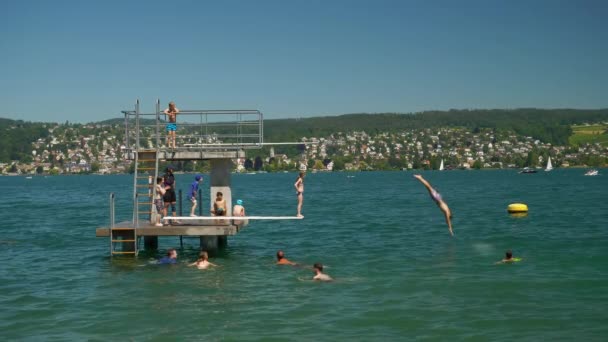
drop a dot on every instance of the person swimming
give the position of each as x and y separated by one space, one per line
282 260
509 258
436 196
202 262
319 275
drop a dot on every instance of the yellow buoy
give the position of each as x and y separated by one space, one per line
517 208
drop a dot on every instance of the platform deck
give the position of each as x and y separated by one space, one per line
184 229
193 153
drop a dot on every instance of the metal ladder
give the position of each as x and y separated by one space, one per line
146 171
123 240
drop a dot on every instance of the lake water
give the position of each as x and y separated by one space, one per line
399 275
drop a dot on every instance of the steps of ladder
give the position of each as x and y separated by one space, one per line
122 228
140 203
129 241
146 160
115 252
144 185
145 168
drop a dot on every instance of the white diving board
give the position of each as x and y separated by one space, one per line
232 218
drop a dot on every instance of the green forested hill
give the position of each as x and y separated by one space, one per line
547 125
16 139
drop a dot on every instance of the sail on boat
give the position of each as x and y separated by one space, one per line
441 165
549 166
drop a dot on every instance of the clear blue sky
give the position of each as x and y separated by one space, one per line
85 61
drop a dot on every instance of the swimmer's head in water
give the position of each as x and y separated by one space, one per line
280 255
239 202
318 266
509 254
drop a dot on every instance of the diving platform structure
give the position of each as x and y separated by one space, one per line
217 136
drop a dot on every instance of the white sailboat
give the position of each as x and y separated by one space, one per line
549 166
441 165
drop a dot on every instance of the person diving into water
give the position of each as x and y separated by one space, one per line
439 201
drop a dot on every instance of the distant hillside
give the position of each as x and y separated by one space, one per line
16 137
548 125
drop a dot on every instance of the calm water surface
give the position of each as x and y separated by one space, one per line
399 275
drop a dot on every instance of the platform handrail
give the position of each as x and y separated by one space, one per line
220 128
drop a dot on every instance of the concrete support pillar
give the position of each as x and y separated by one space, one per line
222 241
220 181
209 243
150 242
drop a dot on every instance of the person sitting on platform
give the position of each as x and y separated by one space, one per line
319 275
219 206
282 260
203 261
170 258
198 179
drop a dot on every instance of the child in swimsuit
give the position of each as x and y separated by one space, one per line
171 127
299 185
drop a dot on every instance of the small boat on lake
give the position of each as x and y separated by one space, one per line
549 165
528 170
441 165
592 172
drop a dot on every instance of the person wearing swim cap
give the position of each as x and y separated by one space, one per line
219 206
439 201
238 209
198 179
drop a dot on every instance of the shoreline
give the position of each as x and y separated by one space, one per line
577 167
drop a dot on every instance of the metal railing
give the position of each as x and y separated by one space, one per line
112 221
197 129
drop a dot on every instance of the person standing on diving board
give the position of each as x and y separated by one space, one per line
439 201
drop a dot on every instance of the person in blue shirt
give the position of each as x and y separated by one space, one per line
198 179
170 258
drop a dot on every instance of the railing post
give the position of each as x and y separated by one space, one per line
157 124
261 124
127 144
137 125
200 202
179 202
111 221
136 211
